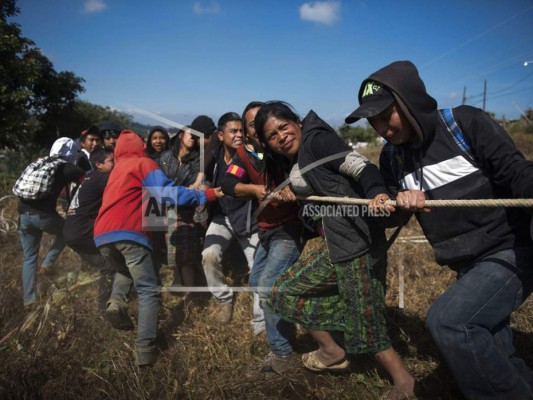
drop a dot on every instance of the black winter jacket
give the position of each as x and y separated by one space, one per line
436 165
183 174
238 211
347 237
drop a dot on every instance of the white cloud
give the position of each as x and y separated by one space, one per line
210 8
324 12
453 96
94 6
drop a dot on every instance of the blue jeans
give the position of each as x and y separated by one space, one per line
31 228
272 258
470 325
134 265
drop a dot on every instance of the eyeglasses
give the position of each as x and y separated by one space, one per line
110 134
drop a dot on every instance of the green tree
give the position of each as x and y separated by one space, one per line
71 121
358 133
33 95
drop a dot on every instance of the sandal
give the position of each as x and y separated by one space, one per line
312 363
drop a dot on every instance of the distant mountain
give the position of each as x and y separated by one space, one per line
167 120
140 129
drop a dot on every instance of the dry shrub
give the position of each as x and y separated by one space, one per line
524 143
372 152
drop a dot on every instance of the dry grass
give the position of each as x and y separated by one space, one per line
64 350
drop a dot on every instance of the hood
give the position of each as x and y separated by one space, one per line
409 91
65 148
129 144
157 128
311 124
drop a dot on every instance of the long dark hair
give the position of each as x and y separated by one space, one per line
176 141
252 104
150 151
276 165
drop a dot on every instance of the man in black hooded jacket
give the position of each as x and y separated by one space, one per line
490 248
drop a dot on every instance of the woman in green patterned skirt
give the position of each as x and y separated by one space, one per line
339 284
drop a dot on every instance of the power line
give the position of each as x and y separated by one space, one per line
504 64
476 37
504 94
513 92
504 91
514 84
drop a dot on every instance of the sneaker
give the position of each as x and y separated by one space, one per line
222 312
280 364
118 316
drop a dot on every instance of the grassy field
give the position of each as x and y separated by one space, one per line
64 350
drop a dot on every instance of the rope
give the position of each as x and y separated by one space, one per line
430 203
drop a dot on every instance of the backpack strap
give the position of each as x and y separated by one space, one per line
241 151
455 132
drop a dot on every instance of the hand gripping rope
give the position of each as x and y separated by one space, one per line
429 204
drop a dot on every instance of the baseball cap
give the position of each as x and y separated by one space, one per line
203 124
374 100
109 128
92 130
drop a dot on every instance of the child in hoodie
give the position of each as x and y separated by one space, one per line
489 248
120 234
81 214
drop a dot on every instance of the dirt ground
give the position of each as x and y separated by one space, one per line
65 350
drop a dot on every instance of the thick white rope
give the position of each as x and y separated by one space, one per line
429 203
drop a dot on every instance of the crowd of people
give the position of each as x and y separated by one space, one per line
248 193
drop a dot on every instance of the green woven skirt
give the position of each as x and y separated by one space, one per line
347 297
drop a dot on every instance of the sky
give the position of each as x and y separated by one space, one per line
178 59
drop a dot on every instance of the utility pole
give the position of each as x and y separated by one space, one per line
484 94
464 96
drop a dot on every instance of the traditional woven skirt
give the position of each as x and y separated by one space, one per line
347 297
